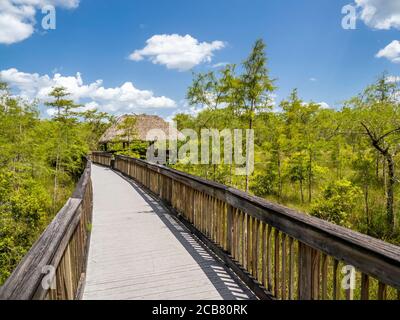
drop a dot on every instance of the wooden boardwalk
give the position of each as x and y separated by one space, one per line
139 251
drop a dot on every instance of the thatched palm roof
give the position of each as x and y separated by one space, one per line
144 123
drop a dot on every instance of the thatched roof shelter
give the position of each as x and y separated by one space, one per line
144 123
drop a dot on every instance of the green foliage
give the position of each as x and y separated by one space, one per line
255 83
64 108
377 111
94 124
264 184
40 162
297 167
243 95
338 200
136 149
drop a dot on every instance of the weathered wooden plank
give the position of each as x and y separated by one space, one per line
305 272
255 248
364 287
315 274
382 291
243 239
264 254
276 263
249 244
291 268
336 286
324 274
283 268
269 260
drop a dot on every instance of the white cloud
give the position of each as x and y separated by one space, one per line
12 29
313 79
273 97
123 99
92 105
391 52
324 105
17 17
380 14
176 52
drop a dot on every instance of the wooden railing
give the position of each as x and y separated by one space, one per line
55 266
101 158
278 252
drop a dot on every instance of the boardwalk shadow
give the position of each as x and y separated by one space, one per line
228 285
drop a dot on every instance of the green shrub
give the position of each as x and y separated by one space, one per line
337 202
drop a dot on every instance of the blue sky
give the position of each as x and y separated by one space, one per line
306 47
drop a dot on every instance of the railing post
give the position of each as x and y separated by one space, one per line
229 228
305 272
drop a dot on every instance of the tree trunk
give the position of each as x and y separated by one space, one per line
338 163
230 174
214 171
385 182
279 176
310 177
247 156
55 184
58 165
301 191
390 182
390 192
366 194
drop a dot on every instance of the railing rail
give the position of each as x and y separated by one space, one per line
102 158
287 254
55 266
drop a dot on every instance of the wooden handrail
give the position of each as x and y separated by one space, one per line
290 255
102 158
55 266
